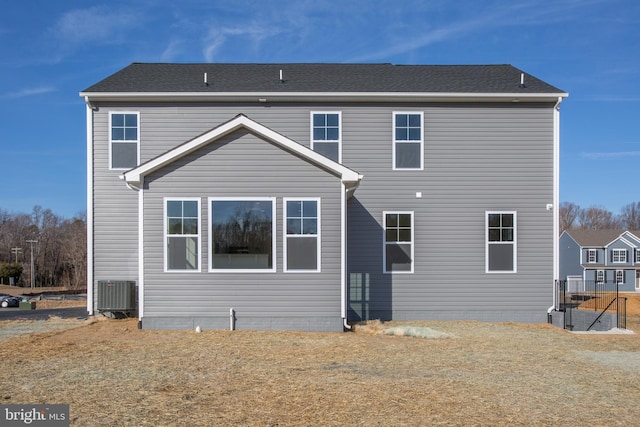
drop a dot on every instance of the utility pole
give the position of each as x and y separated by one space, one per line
16 251
31 242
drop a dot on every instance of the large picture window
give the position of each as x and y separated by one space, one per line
124 137
398 242
302 235
182 234
326 134
242 234
501 242
408 140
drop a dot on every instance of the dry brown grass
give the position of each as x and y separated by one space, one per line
113 374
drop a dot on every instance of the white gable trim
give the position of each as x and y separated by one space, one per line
136 175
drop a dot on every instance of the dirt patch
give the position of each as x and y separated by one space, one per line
113 374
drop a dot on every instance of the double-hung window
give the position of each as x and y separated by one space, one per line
182 234
619 256
408 142
242 234
398 242
619 277
124 139
302 235
501 250
326 134
600 277
592 256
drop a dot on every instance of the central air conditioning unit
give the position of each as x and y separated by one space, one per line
117 297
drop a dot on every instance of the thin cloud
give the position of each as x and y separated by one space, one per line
95 24
218 37
610 155
31 92
511 14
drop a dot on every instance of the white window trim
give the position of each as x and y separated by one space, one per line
111 141
595 256
514 243
286 236
384 242
620 281
273 235
166 236
394 142
600 273
620 253
339 140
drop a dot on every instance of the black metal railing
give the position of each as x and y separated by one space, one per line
576 298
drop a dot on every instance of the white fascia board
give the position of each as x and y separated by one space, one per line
135 176
267 97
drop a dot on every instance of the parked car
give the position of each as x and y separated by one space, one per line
9 301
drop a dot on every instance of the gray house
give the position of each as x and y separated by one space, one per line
308 196
600 256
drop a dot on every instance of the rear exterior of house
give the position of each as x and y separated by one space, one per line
307 196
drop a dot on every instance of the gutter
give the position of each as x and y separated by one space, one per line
262 97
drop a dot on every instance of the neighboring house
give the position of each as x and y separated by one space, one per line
306 196
600 256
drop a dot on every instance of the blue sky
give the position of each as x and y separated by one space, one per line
51 50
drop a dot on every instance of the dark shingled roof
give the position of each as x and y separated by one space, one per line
597 238
301 78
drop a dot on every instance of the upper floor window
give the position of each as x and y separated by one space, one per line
637 255
242 234
501 242
326 134
408 147
182 234
124 137
398 242
302 235
592 256
619 255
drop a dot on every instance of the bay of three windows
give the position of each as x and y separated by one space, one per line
242 234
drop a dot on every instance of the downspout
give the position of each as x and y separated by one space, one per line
343 256
140 247
90 287
556 201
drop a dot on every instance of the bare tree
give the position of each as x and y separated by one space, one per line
630 216
597 218
568 214
59 252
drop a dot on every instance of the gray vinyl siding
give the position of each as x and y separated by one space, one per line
115 213
242 165
477 157
569 257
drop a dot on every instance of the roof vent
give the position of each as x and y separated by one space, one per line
281 77
206 81
522 81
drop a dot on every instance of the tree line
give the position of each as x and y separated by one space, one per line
59 249
572 216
